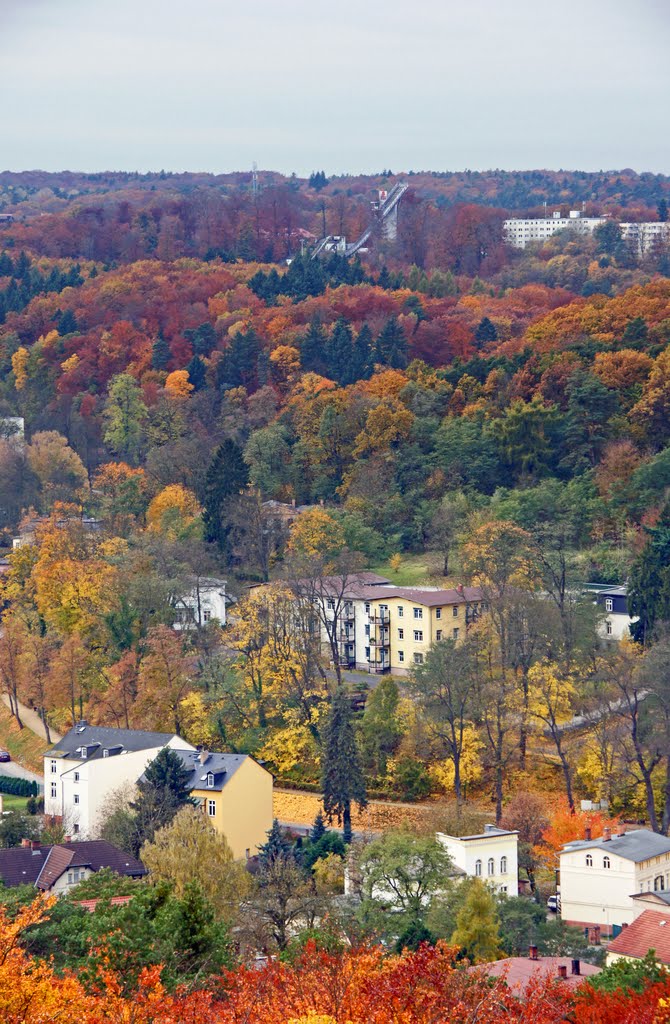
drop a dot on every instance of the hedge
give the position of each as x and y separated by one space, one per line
18 787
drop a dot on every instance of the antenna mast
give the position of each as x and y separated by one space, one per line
254 180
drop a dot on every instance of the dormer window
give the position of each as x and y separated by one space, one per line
210 780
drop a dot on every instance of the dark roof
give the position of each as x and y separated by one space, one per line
651 930
660 898
84 734
518 971
42 865
433 598
638 845
490 832
221 766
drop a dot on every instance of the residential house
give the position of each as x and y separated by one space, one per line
613 602
57 868
651 930
491 855
235 792
404 623
90 763
599 876
520 971
205 602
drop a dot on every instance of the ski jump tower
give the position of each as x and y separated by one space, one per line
385 217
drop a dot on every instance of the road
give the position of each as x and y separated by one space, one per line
17 772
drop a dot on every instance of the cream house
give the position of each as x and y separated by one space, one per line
90 763
598 877
491 855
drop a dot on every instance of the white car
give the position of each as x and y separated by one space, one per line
552 904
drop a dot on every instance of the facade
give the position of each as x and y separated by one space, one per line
205 602
642 237
598 877
404 623
235 792
613 601
492 855
90 763
56 869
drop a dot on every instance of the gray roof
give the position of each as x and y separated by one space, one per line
638 845
101 738
221 766
652 897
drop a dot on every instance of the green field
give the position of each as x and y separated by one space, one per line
13 803
414 571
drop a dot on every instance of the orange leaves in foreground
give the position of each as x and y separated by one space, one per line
361 986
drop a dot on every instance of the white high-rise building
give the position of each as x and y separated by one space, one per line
642 236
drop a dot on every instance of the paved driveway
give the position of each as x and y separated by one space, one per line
17 772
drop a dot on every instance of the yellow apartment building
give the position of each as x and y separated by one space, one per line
235 792
404 623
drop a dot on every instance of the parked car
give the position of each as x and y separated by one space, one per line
552 904
5 755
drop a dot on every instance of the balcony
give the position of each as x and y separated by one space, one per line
378 667
382 619
380 642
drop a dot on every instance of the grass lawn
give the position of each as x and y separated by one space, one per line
25 747
13 803
414 571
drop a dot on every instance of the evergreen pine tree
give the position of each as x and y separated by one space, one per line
160 353
318 828
196 373
162 791
384 279
339 353
239 366
313 348
67 323
485 331
227 476
276 846
662 210
361 361
342 780
391 345
649 587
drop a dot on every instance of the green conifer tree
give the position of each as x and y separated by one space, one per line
341 779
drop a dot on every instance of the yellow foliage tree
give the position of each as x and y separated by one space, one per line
174 512
315 534
178 385
20 367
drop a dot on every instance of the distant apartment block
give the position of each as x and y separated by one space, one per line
520 232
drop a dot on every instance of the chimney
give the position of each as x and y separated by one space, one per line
67 839
25 844
562 971
203 756
532 953
607 835
620 829
459 588
34 844
587 833
576 967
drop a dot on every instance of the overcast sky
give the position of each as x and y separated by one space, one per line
344 85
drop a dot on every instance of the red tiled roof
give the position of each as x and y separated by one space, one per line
115 901
518 971
651 930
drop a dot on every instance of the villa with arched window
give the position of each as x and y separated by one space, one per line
491 855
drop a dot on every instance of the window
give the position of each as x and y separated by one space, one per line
206 615
210 780
211 808
454 611
367 607
401 634
606 862
478 868
491 866
589 860
401 655
438 634
418 659
609 604
330 605
503 888
53 768
608 628
367 653
503 865
75 875
75 828
247 853
456 632
367 630
401 611
54 791
76 776
76 798
418 635
659 883
438 613
418 613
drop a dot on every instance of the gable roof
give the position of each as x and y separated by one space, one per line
102 738
43 865
221 766
518 971
638 845
661 899
651 930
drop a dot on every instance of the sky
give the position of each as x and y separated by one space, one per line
348 86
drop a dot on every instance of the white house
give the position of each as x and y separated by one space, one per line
598 877
641 237
203 603
90 763
491 855
613 601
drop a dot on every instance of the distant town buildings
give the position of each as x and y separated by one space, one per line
520 232
56 869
